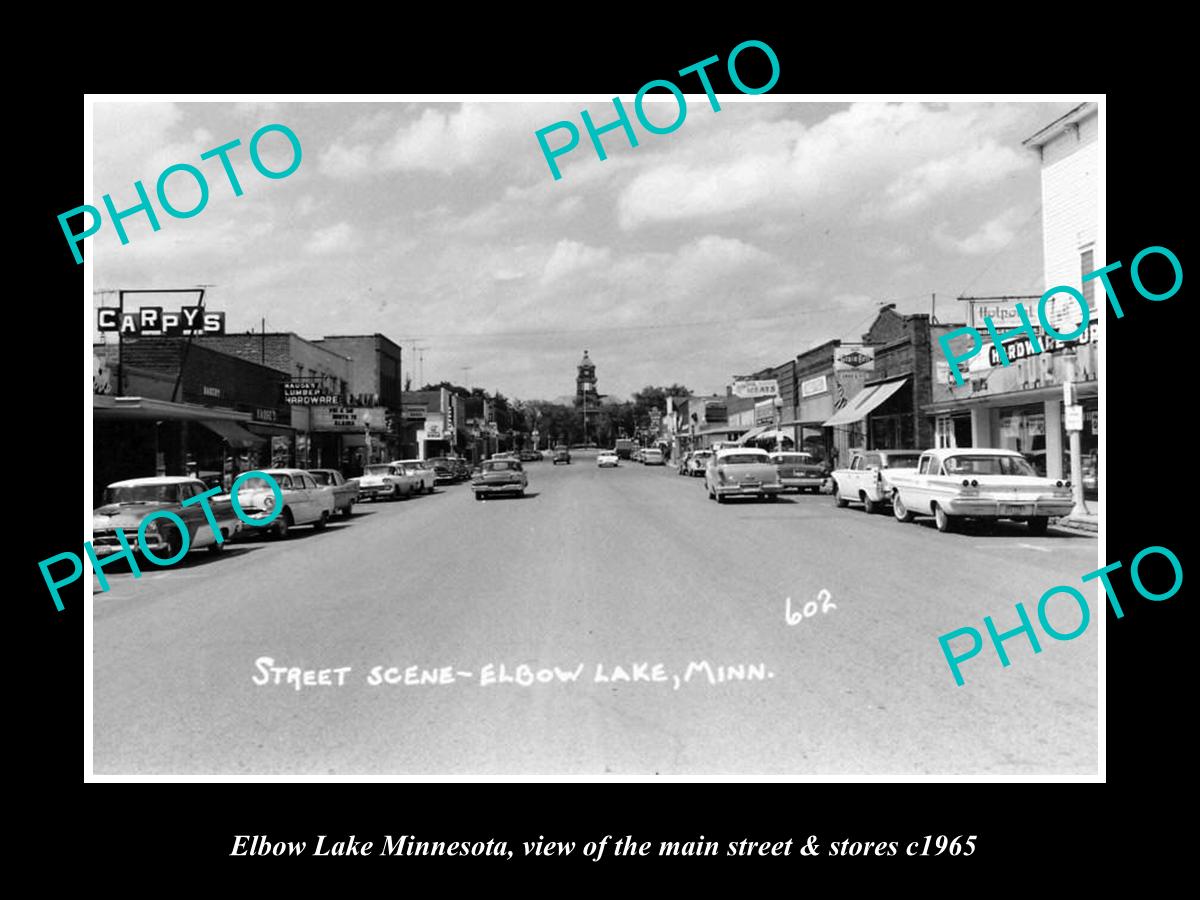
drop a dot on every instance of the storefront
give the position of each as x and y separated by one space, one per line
1020 406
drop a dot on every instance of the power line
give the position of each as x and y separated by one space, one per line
999 252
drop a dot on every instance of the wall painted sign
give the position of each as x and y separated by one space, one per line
813 386
747 388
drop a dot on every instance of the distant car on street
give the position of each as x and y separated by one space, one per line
529 456
562 455
697 463
443 469
981 483
607 459
868 479
742 472
304 501
500 476
127 503
422 471
345 493
799 471
652 456
385 481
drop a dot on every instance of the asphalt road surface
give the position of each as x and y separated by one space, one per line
593 570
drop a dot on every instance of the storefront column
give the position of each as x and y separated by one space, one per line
981 427
1054 439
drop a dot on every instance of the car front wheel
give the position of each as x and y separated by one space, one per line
869 505
321 522
283 524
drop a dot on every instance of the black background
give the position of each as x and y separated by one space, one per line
1047 828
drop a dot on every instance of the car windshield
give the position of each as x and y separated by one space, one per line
742 459
900 460
143 493
377 470
499 465
989 465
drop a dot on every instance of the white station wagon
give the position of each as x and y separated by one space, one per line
973 482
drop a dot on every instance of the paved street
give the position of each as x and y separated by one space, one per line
630 567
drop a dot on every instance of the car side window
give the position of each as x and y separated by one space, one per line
308 482
923 468
285 481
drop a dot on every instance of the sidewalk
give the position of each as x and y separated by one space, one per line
1081 520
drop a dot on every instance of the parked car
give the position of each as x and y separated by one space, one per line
304 501
976 482
607 459
562 455
443 470
422 471
345 493
652 456
386 481
799 471
500 476
127 503
742 472
698 463
868 479
529 456
636 456
462 469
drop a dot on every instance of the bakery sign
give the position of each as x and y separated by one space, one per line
854 358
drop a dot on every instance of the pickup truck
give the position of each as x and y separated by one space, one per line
345 493
867 480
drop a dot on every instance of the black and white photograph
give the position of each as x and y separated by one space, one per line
681 435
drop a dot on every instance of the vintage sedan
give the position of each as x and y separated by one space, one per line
742 472
652 456
799 471
607 459
500 476
697 463
422 471
385 481
345 493
562 455
304 501
978 483
128 503
444 471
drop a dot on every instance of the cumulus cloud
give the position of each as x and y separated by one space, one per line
879 159
570 257
331 239
988 238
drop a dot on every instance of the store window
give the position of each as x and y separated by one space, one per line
1023 428
1089 449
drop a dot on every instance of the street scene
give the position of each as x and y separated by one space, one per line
604 568
660 469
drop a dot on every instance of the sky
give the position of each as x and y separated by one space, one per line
742 238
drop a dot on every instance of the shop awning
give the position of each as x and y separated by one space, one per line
865 402
234 434
773 435
723 429
753 433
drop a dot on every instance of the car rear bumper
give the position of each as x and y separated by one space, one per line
1004 509
803 481
497 488
740 490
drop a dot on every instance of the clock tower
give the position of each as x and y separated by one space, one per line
585 383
